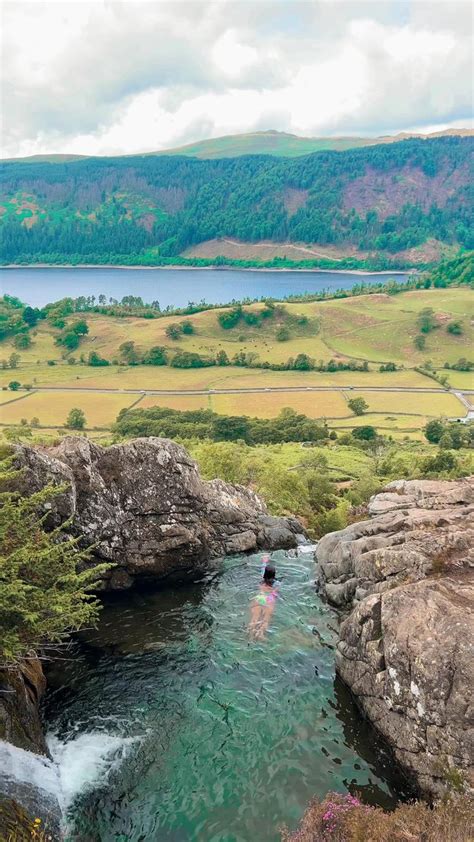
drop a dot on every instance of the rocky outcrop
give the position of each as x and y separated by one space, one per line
21 690
408 657
418 528
407 648
144 507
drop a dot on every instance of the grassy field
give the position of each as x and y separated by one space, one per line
52 409
312 404
373 327
165 377
383 327
460 379
183 403
412 402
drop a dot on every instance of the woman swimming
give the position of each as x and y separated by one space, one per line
263 603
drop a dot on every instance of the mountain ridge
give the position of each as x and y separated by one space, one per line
269 142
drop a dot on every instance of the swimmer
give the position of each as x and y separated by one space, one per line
263 603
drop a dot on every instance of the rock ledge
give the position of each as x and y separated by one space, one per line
146 508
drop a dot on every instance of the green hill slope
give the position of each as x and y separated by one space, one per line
286 145
377 200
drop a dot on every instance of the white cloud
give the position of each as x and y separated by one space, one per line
111 77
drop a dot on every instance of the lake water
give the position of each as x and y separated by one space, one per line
173 287
168 723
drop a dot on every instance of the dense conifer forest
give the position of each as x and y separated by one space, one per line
147 209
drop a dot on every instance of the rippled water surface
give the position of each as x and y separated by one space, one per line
170 724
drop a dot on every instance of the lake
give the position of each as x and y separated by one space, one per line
174 287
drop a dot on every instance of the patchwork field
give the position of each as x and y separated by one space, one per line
372 328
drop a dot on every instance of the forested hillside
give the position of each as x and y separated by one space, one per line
382 199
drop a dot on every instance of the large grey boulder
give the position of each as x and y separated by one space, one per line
408 657
418 527
144 506
406 650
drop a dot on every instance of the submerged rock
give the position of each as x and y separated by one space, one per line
407 648
145 507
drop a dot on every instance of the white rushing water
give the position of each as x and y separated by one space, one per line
78 764
85 761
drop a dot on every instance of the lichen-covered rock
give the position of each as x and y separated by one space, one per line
418 527
144 506
408 657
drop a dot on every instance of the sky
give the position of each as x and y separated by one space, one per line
108 78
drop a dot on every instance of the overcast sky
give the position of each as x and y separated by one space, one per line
112 77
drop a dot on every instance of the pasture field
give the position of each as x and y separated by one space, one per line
8 397
312 404
460 379
383 327
398 426
52 409
412 402
375 328
215 377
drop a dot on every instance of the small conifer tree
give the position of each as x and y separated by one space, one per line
43 593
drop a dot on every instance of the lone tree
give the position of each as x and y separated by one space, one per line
358 406
434 431
42 597
76 419
128 352
80 327
426 320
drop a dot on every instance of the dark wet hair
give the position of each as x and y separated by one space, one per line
269 573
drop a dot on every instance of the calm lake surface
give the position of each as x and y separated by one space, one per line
173 287
169 724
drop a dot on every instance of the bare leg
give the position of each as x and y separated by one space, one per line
257 613
264 623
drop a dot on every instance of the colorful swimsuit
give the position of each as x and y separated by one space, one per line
266 598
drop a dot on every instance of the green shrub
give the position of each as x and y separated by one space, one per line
43 597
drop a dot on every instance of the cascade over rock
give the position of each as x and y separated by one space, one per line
406 650
144 506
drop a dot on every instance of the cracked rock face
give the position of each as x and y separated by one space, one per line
418 527
145 507
407 648
408 657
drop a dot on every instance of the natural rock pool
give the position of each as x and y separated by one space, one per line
167 723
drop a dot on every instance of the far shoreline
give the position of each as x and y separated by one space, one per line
412 271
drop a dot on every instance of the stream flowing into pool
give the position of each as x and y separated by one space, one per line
168 723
